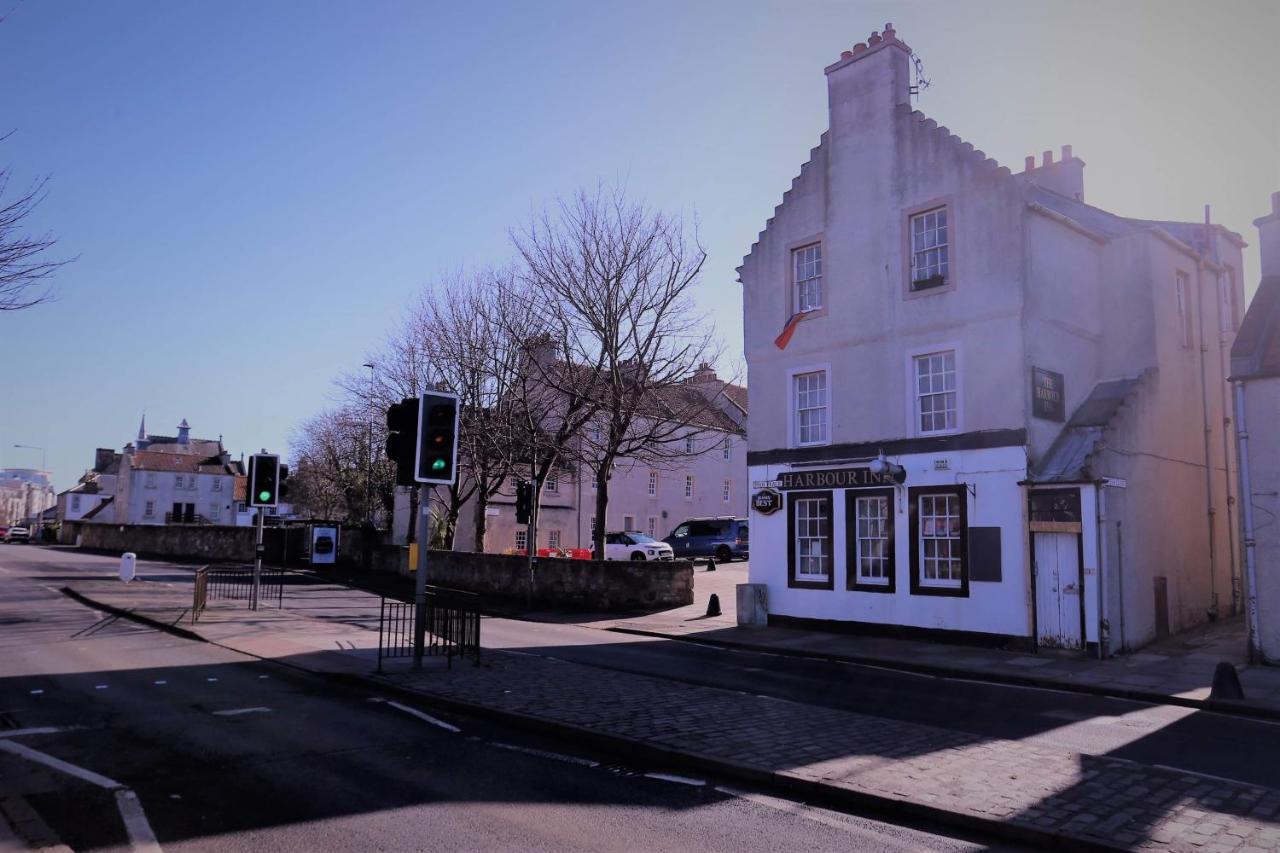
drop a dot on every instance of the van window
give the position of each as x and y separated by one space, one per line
708 528
681 531
744 531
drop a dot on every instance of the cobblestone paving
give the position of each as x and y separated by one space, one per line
1095 798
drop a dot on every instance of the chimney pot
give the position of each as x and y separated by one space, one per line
873 39
1048 158
1066 153
847 54
1030 162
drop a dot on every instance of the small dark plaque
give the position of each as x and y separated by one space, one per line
984 554
766 501
1048 395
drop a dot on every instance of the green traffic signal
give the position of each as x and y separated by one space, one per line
438 465
264 496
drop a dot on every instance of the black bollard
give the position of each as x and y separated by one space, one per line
1226 683
711 564
713 606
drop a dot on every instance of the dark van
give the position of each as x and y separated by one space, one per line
724 538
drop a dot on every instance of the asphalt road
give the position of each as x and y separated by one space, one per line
225 752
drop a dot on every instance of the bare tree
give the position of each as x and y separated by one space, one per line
613 283
24 262
331 476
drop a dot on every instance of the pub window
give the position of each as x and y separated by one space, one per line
810 545
869 532
938 523
930 264
522 539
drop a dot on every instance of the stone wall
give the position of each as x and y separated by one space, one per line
581 584
208 543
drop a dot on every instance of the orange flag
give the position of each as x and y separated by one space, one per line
783 339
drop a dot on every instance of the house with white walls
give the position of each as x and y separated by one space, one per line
1255 373
993 412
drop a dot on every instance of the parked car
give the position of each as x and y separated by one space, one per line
632 545
4 531
725 538
17 534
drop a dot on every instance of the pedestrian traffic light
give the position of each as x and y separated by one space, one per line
437 438
524 501
264 479
402 438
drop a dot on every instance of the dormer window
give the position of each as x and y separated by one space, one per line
807 263
930 262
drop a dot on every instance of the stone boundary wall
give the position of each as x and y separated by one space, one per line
210 543
582 584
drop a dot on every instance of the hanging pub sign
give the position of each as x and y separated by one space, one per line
834 478
766 501
1048 395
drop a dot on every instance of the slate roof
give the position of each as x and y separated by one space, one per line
1109 225
1256 351
1071 454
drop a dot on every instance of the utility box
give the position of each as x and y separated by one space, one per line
128 566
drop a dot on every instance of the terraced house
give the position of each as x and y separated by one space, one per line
995 411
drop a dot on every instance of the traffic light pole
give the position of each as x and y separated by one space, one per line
420 582
257 563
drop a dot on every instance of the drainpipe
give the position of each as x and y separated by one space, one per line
1100 528
1246 501
1208 461
1226 413
1124 644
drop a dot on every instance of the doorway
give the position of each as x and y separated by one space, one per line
1057 568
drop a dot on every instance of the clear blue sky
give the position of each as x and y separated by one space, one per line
254 190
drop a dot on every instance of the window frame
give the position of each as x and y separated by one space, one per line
628 523
1182 296
652 528
553 539
552 484
918 586
793 256
653 484
808 582
728 490
689 487
854 580
913 394
521 539
793 401
909 214
688 445
149 482
728 449
149 509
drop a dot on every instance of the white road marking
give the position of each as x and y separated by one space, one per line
233 712
542 753
679 780
264 676
141 837
424 716
100 686
36 692
787 807
58 764
160 682
211 679
39 730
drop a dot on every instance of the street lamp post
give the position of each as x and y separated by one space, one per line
366 536
45 474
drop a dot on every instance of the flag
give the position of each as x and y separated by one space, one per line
783 339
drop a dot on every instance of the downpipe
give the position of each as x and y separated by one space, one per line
1212 612
1250 544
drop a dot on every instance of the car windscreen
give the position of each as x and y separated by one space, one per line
640 538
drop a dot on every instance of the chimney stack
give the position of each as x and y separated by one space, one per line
1065 177
868 83
1269 238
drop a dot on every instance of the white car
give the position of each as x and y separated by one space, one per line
635 546
18 533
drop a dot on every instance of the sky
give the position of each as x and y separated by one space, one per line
253 191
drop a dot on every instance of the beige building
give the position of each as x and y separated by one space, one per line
993 410
706 476
1255 367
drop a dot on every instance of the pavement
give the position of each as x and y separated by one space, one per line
1027 789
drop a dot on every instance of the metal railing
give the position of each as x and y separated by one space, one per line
183 518
200 593
453 627
235 583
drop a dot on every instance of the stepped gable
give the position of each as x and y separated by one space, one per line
806 169
975 156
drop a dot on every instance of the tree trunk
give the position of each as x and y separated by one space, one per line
482 502
602 505
413 516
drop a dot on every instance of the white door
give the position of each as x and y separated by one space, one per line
1058 590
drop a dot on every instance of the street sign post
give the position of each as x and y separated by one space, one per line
435 463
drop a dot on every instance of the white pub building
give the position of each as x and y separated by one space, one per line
1001 413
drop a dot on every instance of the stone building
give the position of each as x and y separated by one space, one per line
1255 369
24 494
994 412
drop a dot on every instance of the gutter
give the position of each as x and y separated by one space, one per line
1250 543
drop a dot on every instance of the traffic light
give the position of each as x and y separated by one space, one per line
264 479
437 438
283 488
524 501
402 438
